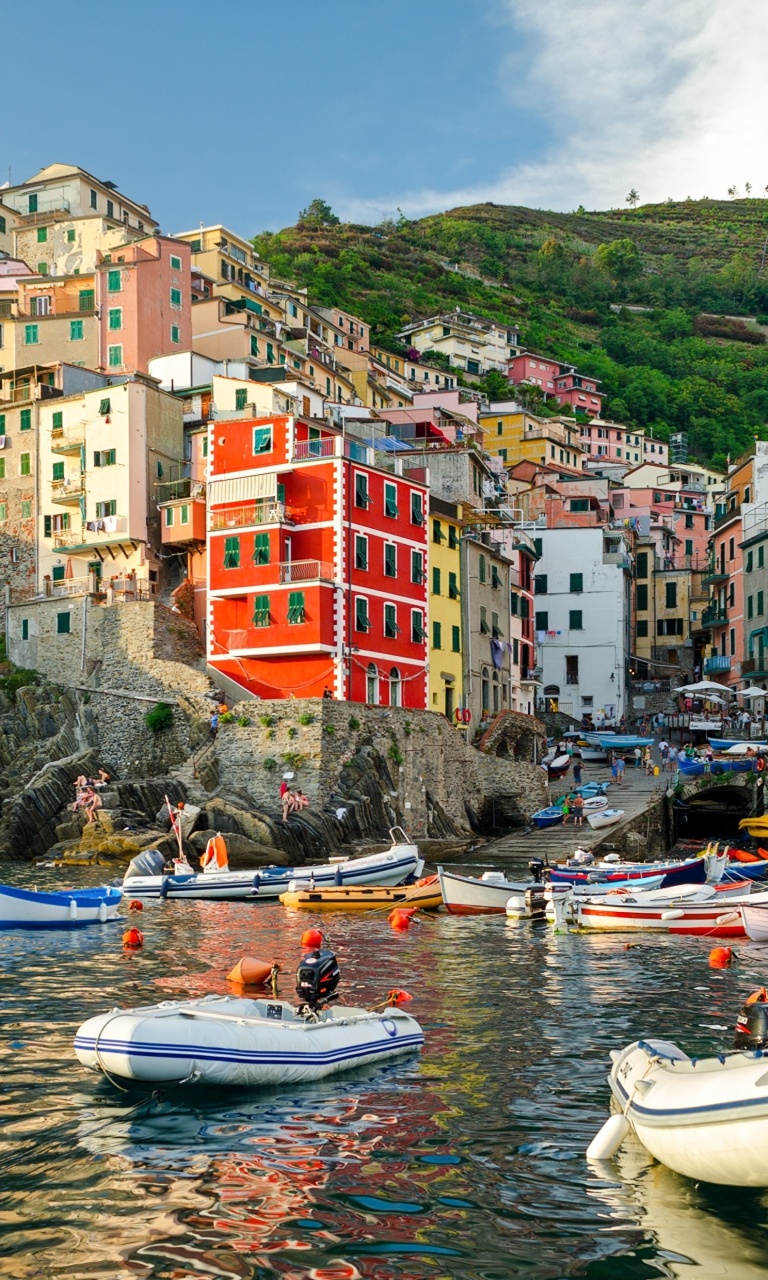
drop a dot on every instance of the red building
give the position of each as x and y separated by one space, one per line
561 381
317 564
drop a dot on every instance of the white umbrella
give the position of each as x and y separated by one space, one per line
753 692
701 687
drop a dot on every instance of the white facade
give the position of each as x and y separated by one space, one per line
582 624
470 343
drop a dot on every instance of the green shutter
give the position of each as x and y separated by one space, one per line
390 560
114 281
453 540
296 607
62 624
262 439
361 489
47 521
361 615
241 397
391 628
114 357
231 553
24 464
42 235
261 611
116 317
540 584
390 501
361 552
25 420
577 582
70 235
453 588
542 621
58 471
25 628
574 620
261 548
456 639
437 636
175 297
57 420
31 335
435 581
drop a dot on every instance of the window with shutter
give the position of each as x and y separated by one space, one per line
574 620
417 509
58 471
453 587
481 570
262 439
261 548
25 420
176 297
391 629
390 560
170 517
231 553
296 612
417 566
435 581
361 552
362 621
437 532
577 583
542 621
484 628
495 579
115 317
390 501
241 397
25 467
456 639
361 489
418 634
62 624
437 636
453 538
261 611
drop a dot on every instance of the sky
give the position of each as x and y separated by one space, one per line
242 112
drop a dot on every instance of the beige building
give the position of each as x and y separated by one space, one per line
227 259
470 343
101 453
55 319
59 245
67 189
486 626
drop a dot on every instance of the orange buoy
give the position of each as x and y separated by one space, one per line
400 921
133 938
135 905
249 972
398 997
758 997
721 957
312 938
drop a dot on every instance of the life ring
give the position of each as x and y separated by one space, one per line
760 764
215 856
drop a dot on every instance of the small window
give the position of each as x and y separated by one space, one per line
641 597
577 583
453 588
362 621
417 508
175 263
759 604
390 559
32 203
262 439
110 208
25 420
94 205
25 628
391 629
241 397
642 630
42 235
417 566
175 333
254 345
579 504
642 564
574 620
195 246
76 331
542 621
26 509
437 532
456 639
435 581
453 537
231 553
481 572
540 584
496 631
261 611
296 611
114 281
108 508
390 501
484 628
361 552
437 635
184 514
31 335
25 468
495 578
114 357
749 562
170 517
62 624
361 490
671 595
418 634
261 548
176 298
116 317
58 471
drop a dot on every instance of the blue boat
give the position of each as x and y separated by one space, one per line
617 741
733 765
723 744
28 909
589 789
548 817
691 768
745 871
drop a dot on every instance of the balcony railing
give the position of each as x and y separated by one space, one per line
67 442
724 514
720 662
305 571
714 573
112 527
172 490
250 513
332 447
67 491
714 614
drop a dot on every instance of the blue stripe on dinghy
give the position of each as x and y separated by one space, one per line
62 897
245 1057
57 924
179 888
708 1109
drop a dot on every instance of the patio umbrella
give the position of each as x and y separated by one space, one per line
701 687
753 692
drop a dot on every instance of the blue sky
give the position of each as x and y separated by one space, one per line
242 112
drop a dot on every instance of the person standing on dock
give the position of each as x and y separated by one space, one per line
620 766
577 772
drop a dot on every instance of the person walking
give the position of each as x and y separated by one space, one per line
638 757
620 766
615 771
214 723
577 772
648 762
664 753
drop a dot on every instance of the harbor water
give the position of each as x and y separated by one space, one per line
464 1161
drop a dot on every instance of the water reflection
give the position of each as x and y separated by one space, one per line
466 1162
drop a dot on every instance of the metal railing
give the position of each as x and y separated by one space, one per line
172 490
250 513
305 571
719 662
724 514
67 490
713 614
67 441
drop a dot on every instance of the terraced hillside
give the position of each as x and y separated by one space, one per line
563 278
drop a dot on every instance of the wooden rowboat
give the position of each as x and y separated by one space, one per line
366 897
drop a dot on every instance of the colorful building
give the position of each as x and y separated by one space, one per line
66 190
317 565
514 435
612 442
446 675
468 341
556 380
143 294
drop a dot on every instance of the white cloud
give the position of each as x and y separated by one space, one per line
668 96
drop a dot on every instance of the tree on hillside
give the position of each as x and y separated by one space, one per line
552 248
734 192
319 213
620 259
633 198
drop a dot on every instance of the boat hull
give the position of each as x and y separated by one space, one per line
707 1120
28 909
604 818
365 898
755 922
388 868
225 1041
468 896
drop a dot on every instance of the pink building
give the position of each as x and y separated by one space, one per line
144 295
558 380
612 442
684 513
580 392
539 370
656 451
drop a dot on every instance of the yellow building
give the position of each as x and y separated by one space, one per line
228 259
665 601
517 436
55 320
445 689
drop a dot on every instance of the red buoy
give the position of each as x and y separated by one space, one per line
135 905
133 938
721 957
400 921
312 938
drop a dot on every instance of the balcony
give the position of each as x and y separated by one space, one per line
267 511
305 571
714 615
724 514
714 574
114 530
68 492
67 441
332 447
172 490
720 662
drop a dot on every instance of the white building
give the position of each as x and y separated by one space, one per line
471 343
582 603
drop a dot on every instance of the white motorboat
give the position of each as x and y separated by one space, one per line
604 818
594 755
490 894
145 877
754 917
62 909
717 916
226 1041
706 1118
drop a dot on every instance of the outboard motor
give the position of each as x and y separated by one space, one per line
752 1023
536 868
317 978
149 862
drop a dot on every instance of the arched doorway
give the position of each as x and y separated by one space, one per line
551 697
372 685
395 688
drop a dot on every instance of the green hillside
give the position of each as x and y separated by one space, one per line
680 365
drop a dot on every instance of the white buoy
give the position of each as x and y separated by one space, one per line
607 1141
72 909
102 912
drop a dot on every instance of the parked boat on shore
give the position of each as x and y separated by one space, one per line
61 909
604 818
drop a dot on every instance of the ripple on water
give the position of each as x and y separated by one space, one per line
466 1162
